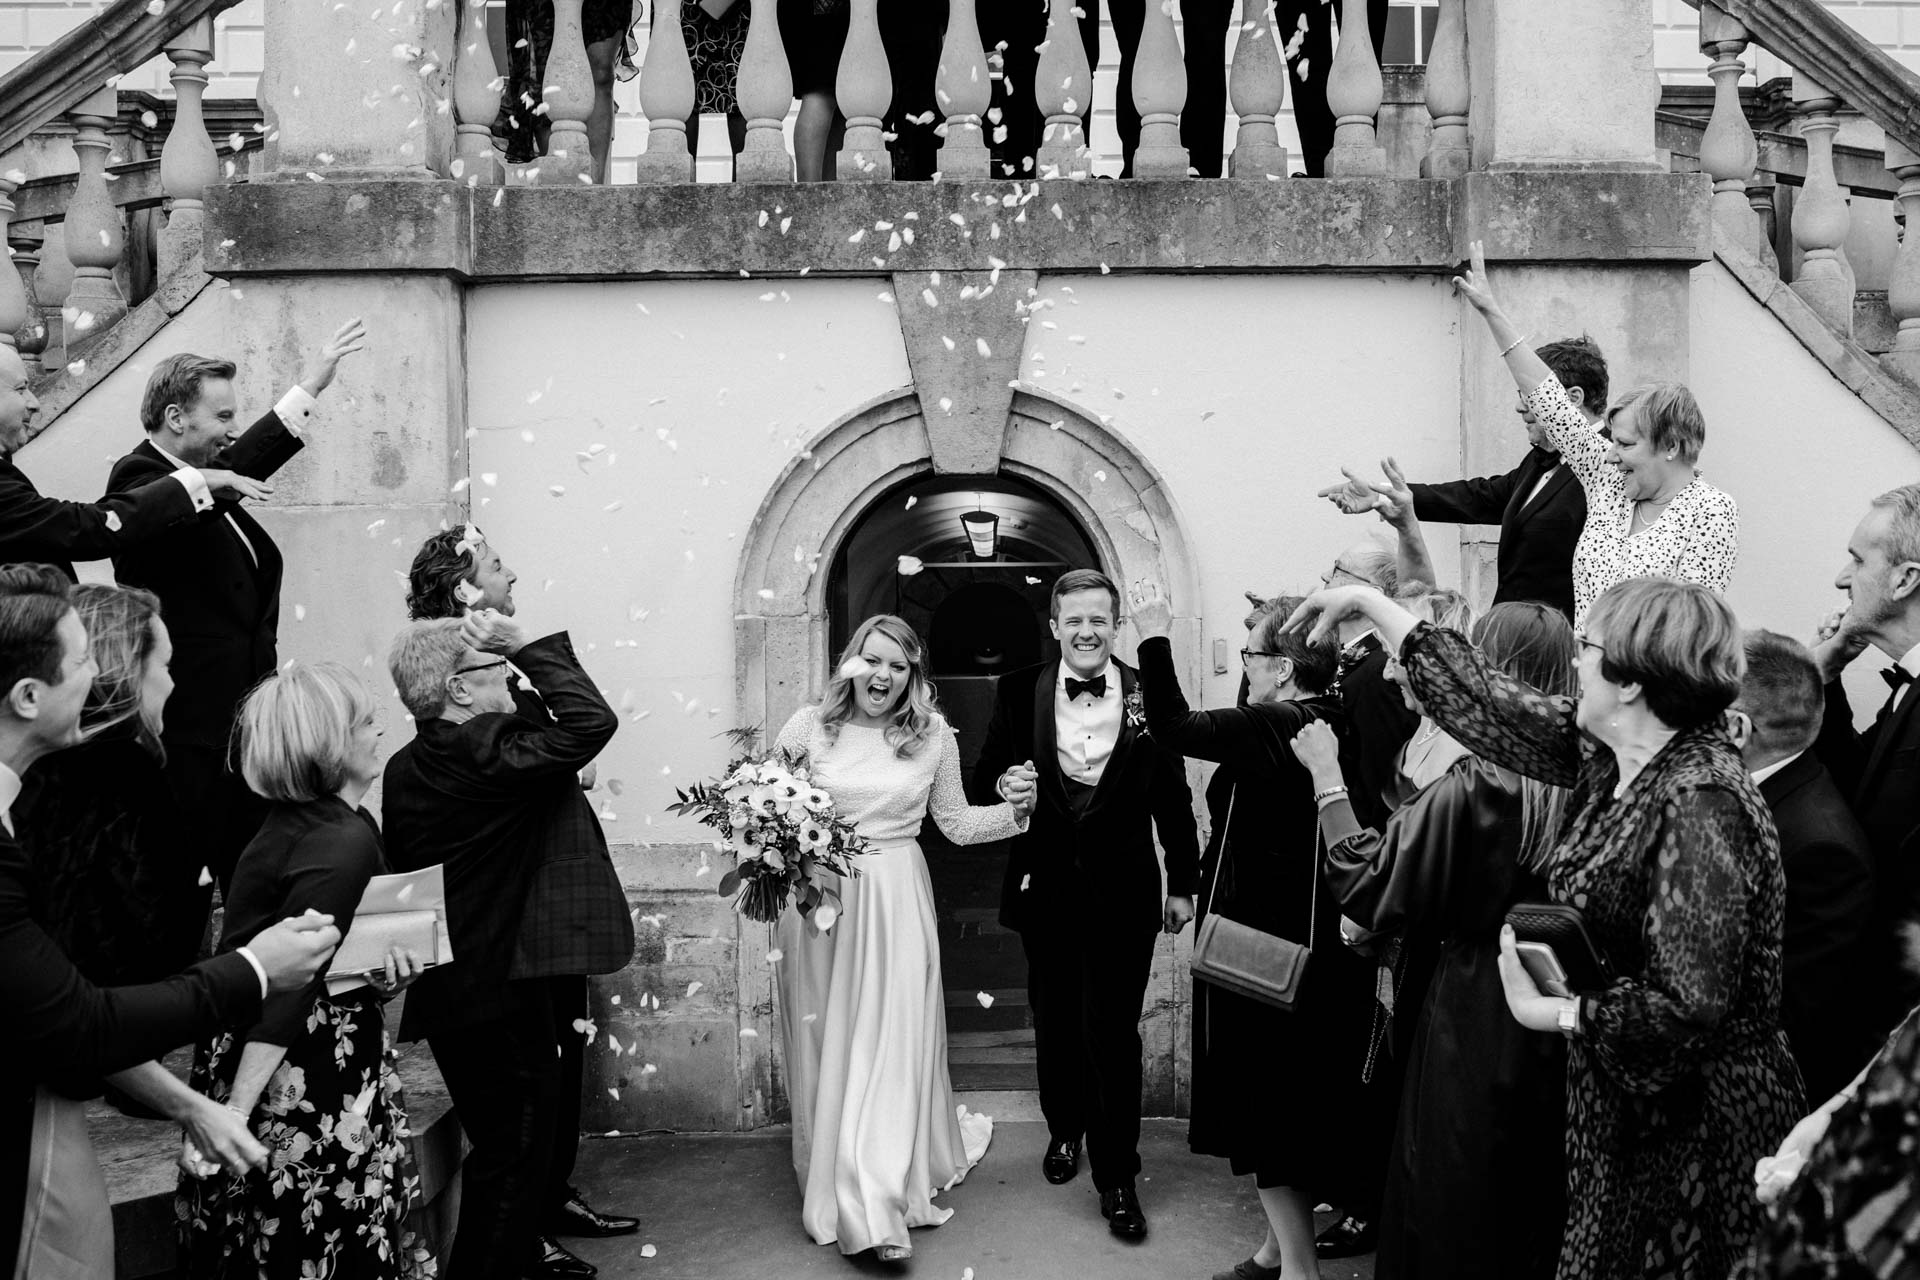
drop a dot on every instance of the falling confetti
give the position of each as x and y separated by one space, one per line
909 565
986 1000
693 987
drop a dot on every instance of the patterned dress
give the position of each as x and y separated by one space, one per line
1682 1080
1696 539
522 118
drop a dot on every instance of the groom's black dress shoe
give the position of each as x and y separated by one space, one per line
1062 1161
578 1218
1348 1238
1121 1208
555 1263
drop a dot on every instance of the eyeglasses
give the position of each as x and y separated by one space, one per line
1580 638
480 666
1246 654
1339 571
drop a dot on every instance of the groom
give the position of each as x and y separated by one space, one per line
1083 884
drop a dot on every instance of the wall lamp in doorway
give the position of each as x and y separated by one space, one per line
983 532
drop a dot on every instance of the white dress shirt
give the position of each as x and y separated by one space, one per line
294 410
1911 661
9 792
1761 774
1086 728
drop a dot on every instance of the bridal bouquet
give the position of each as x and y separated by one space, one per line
784 832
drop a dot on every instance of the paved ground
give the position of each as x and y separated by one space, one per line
725 1207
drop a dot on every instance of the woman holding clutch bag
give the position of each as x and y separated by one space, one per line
1276 1092
1678 1077
314 1077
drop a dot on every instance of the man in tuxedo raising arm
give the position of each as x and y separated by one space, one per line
217 575
1083 885
1879 770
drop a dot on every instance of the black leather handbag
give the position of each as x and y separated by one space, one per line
1246 961
1565 930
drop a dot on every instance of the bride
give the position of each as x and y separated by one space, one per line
875 1131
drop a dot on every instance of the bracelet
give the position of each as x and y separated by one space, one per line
1321 798
1507 350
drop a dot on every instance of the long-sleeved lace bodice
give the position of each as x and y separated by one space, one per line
885 796
1696 539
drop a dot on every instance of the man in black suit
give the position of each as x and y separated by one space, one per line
60 1027
217 575
456 572
533 906
39 530
1829 867
1879 770
1539 506
1083 886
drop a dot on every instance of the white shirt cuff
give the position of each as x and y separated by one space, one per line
259 969
196 487
295 408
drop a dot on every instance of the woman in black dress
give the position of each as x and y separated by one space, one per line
1277 1093
315 1075
608 29
1678 1076
1476 1182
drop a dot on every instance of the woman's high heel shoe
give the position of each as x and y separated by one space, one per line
893 1252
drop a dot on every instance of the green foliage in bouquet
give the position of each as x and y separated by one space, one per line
787 839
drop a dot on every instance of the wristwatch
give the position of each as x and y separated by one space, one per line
1570 1018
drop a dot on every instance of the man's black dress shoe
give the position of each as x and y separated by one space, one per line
1348 1238
578 1218
557 1264
1062 1161
1121 1208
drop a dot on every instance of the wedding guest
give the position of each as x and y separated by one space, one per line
1476 1180
608 29
1538 505
716 36
814 32
218 576
1083 886
912 34
1012 32
493 796
1827 959
457 571
39 530
1670 855
61 1027
1649 514
1276 1092
1879 770
315 1075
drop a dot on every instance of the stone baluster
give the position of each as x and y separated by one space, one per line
863 91
477 88
666 96
764 87
1760 195
1062 88
1449 94
1728 152
1354 90
1257 88
1821 219
963 91
30 339
52 282
95 233
1903 282
1159 94
188 161
568 94
14 312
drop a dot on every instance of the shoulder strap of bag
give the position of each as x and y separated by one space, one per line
1226 830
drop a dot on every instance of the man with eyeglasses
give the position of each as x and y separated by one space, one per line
491 792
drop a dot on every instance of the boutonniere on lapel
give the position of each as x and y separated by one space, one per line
1136 710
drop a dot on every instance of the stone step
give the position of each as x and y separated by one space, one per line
990 1039
975 1076
990 1055
1006 1106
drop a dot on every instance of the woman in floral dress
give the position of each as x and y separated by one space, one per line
315 1075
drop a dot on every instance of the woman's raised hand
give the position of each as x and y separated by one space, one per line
1151 611
1473 283
1328 607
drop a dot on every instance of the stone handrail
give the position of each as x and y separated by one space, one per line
115 41
1783 155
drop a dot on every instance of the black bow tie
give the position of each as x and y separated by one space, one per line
1096 686
1897 677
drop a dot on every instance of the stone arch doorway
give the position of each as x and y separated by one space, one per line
786 613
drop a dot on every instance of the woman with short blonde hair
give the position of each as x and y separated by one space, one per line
314 1076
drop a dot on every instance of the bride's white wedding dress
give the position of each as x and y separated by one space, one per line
875 1131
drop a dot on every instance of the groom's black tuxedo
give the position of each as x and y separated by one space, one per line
1083 889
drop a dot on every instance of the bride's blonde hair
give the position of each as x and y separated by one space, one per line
913 720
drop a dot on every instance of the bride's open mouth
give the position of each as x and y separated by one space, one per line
878 694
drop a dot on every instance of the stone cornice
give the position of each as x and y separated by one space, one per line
492 235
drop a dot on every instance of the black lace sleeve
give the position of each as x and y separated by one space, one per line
1496 717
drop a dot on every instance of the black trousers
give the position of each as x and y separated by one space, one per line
1086 993
205 781
519 1104
1022 25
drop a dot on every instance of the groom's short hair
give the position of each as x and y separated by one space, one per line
1083 580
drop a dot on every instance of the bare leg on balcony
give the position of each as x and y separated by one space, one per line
813 138
600 56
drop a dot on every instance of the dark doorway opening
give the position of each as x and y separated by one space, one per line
980 616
